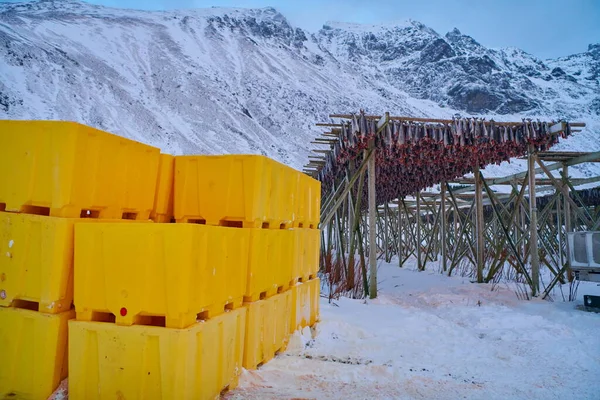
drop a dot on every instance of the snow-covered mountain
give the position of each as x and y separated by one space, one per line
246 81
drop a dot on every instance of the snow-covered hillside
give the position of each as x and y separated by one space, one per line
246 81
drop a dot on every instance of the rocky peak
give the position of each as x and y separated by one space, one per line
463 43
594 50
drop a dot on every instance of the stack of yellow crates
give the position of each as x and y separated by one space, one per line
159 306
218 277
279 209
54 176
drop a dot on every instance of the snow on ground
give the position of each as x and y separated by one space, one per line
428 336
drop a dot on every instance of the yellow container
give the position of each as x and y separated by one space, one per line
283 194
33 349
270 262
308 205
176 271
305 304
298 255
313 251
314 202
302 202
36 262
147 362
243 190
305 253
64 169
267 329
163 200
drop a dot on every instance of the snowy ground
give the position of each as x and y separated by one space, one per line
428 336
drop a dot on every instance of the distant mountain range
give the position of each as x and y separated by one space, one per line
245 81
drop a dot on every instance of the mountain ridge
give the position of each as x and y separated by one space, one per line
233 80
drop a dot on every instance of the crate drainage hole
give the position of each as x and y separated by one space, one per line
202 316
89 214
26 305
36 210
99 316
232 224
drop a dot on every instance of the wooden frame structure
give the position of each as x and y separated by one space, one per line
484 228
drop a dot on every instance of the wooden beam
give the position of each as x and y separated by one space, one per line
443 227
479 223
556 128
533 228
372 221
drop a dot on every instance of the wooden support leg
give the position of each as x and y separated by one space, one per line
372 222
479 223
443 232
533 234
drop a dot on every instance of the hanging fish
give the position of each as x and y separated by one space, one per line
355 124
394 129
387 138
533 129
445 136
526 133
485 133
401 134
363 127
454 131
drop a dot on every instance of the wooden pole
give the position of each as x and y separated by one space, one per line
443 231
533 234
567 215
372 222
419 222
479 223
400 257
385 232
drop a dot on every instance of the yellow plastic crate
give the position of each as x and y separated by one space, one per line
243 190
298 255
283 193
37 260
267 329
305 253
301 219
313 251
64 169
163 200
305 304
146 362
308 205
175 271
270 262
314 203
33 353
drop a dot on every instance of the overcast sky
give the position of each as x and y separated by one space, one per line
544 28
